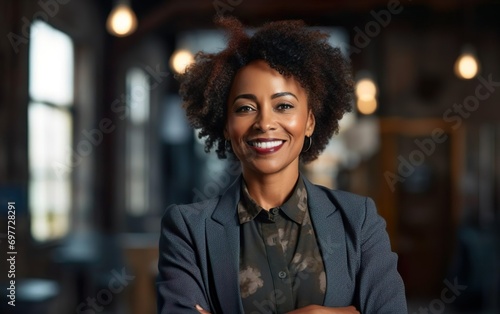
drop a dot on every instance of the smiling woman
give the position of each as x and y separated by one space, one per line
274 242
267 121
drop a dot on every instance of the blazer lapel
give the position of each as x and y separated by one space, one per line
223 242
330 232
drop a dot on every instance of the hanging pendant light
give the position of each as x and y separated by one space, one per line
366 95
180 60
467 65
121 20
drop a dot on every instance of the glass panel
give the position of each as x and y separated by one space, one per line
49 141
137 181
138 94
49 203
51 65
50 182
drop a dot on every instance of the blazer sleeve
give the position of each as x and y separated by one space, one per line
179 284
381 289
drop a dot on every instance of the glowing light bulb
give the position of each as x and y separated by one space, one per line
366 89
466 66
121 21
367 106
366 92
180 60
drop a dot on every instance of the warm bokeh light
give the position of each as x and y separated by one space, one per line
466 66
180 60
366 89
366 107
121 21
366 96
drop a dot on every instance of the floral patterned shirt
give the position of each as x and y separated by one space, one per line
281 268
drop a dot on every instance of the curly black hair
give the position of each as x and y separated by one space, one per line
290 48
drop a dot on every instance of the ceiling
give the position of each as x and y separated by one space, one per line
171 16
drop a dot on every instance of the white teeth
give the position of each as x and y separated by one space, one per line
267 144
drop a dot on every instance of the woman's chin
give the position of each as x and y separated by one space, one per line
270 167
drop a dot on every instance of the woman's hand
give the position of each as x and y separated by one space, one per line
317 309
201 310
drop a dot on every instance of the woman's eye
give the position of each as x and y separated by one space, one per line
244 109
284 106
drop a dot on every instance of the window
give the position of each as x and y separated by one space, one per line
50 125
137 145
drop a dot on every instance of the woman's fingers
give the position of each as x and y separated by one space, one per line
201 310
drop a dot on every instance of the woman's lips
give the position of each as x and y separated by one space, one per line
266 146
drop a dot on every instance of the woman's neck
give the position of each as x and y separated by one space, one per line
270 190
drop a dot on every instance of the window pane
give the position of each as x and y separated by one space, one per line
49 203
51 65
49 141
138 95
137 181
49 146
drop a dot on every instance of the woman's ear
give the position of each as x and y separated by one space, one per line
311 123
226 133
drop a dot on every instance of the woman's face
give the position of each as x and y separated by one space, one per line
267 119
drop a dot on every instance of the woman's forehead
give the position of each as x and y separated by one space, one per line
259 74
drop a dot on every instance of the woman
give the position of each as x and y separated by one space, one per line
274 242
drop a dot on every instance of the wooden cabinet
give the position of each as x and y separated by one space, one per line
419 168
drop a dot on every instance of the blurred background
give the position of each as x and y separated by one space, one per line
94 144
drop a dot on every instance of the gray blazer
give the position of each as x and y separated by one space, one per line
199 254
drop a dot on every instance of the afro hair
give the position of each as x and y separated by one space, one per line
289 47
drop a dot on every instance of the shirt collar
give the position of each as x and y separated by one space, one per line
295 207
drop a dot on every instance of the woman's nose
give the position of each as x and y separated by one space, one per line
265 120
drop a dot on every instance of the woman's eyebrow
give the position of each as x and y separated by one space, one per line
283 94
254 98
245 96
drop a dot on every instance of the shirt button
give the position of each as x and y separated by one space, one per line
282 274
275 211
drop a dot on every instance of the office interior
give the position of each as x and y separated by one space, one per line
95 145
